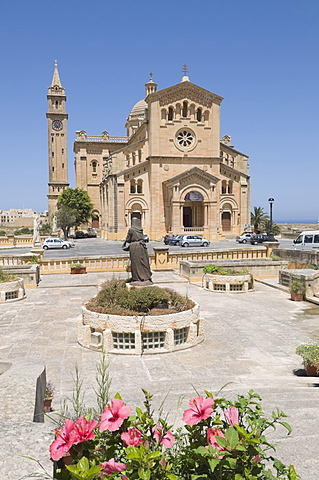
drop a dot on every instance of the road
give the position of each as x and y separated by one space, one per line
99 247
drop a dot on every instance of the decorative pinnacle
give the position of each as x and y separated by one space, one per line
185 69
151 77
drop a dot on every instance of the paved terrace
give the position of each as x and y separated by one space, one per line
250 344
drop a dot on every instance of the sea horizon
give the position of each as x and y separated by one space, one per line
297 221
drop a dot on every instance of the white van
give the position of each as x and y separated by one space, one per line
307 240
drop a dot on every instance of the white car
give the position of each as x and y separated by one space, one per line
244 237
193 241
55 243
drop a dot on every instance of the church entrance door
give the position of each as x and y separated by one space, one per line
226 221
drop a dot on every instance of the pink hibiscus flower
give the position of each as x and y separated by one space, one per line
232 415
166 439
200 409
132 437
212 433
66 437
114 415
112 467
84 429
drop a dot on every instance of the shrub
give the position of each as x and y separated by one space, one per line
221 271
6 277
2 233
297 286
116 298
309 353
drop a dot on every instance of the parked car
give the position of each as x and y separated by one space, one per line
80 234
69 241
260 238
55 243
175 240
244 237
193 241
168 237
91 233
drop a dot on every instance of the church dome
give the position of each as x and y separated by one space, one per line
138 109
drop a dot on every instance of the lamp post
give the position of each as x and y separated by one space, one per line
271 233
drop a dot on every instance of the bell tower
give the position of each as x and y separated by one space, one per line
57 141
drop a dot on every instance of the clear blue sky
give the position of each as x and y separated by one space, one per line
261 56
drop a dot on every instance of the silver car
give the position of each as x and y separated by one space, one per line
194 241
55 243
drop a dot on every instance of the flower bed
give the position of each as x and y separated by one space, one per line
147 320
12 291
221 440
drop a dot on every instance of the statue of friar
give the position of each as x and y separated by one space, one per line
140 264
36 230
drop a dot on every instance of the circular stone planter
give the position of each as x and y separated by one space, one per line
147 334
240 283
12 291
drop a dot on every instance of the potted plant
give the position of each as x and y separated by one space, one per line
297 289
48 397
77 268
310 355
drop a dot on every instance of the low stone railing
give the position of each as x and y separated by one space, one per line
18 240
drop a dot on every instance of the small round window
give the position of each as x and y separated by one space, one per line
185 138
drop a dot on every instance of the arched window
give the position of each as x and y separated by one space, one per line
185 108
206 116
163 113
170 114
139 186
132 186
94 165
56 105
230 186
224 186
133 158
199 115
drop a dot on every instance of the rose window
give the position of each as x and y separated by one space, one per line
185 138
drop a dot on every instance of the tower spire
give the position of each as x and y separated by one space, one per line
150 86
56 77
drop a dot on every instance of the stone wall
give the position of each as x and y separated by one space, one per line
299 258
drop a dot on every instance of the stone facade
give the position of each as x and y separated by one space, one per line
171 171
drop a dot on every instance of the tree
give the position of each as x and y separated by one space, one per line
257 218
275 228
66 218
79 201
46 229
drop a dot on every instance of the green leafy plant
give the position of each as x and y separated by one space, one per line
34 260
297 286
116 298
76 265
220 440
274 257
2 233
309 353
49 390
6 277
214 269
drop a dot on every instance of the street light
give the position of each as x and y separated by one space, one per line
271 233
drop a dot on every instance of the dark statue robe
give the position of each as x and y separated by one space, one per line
140 265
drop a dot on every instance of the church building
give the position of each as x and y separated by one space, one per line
171 171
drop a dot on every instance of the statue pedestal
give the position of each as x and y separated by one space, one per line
161 258
37 250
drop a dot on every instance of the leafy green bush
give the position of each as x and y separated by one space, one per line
221 271
6 277
2 233
116 298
